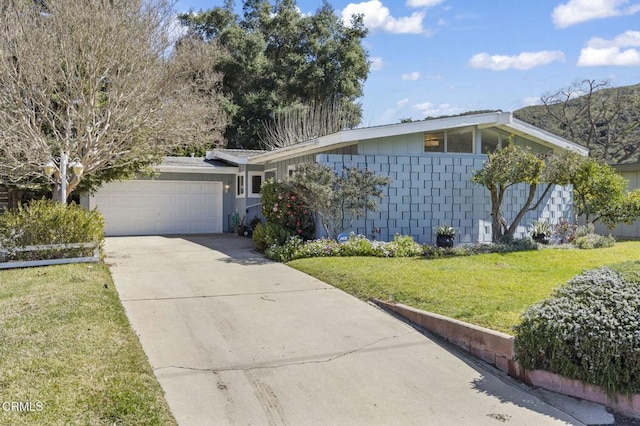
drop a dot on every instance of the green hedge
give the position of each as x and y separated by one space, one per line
589 330
44 222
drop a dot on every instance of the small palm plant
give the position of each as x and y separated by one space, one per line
446 230
541 231
445 235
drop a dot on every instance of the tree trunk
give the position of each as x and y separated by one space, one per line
496 215
523 210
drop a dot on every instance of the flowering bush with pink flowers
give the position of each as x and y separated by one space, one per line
281 206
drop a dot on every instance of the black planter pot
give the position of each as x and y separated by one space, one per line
540 238
445 241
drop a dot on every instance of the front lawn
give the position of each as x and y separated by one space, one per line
68 354
490 290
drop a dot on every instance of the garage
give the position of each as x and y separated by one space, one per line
157 207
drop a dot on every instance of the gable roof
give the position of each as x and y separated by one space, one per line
502 120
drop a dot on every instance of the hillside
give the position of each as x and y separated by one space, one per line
613 132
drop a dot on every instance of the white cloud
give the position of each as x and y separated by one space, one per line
577 11
628 38
376 63
523 61
423 3
377 17
428 109
391 113
532 100
620 51
592 57
413 76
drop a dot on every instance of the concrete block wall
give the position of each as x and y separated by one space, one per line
427 191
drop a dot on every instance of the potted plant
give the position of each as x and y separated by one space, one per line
541 231
445 235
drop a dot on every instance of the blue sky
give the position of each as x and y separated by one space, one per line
440 57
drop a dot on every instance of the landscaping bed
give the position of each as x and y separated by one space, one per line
489 290
68 354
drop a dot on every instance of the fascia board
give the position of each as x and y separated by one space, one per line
205 170
227 156
544 136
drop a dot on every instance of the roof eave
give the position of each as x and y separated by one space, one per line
546 137
191 169
231 158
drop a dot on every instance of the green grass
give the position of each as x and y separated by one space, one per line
489 290
66 347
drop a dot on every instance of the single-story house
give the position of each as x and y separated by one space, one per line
430 164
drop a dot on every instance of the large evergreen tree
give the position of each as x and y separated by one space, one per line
277 58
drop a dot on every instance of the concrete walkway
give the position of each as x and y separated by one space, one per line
235 339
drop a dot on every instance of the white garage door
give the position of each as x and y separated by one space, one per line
156 207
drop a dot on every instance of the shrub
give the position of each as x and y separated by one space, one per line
45 222
583 231
359 245
404 246
284 252
507 245
356 245
593 241
276 234
564 231
588 330
260 237
282 206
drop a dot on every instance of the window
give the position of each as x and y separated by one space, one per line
434 142
239 185
291 170
460 141
490 141
255 180
270 174
457 141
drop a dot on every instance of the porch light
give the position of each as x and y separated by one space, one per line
75 167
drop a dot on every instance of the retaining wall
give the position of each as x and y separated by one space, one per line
498 350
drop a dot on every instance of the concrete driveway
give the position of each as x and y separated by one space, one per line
235 339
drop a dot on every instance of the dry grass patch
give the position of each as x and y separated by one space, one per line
66 347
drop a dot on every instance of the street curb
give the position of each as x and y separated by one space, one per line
497 349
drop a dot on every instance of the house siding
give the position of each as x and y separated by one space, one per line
429 190
282 166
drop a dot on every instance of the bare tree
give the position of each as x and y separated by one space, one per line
100 81
300 123
588 113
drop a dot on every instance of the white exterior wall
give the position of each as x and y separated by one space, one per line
429 190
